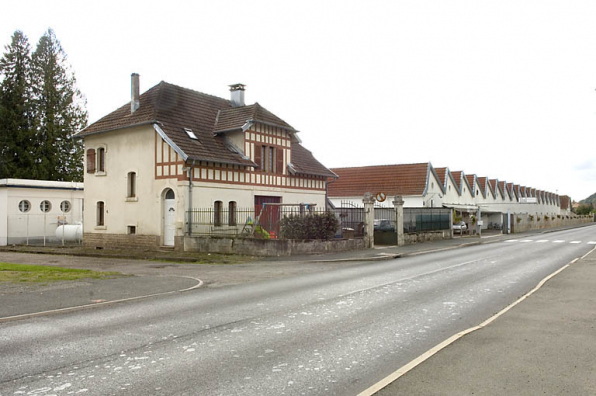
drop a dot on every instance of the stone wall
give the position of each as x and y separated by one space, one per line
427 236
120 241
523 222
268 247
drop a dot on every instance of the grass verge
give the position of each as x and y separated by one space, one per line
17 273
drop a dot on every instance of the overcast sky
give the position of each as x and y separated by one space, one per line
504 89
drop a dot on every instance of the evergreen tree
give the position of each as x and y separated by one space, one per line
59 112
17 139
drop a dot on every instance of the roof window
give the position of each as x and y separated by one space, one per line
191 134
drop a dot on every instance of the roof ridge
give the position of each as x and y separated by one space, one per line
379 166
194 91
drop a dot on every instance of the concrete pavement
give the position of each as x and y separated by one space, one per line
545 345
330 332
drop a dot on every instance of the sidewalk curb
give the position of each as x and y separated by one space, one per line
90 306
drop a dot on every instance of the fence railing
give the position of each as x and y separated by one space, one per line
426 219
415 219
236 222
250 221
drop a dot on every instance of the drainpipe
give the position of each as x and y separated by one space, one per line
327 190
190 176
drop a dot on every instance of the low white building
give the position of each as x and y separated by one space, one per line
31 210
423 186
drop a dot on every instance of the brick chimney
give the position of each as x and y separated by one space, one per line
237 96
134 92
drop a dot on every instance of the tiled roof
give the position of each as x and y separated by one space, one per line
304 162
492 184
175 108
510 189
457 176
482 183
565 202
503 189
405 179
472 182
236 117
442 174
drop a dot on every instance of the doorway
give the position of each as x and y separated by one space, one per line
169 223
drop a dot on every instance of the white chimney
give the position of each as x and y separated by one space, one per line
237 95
134 92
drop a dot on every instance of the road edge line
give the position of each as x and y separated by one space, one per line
88 306
428 354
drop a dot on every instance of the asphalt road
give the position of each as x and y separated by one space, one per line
334 332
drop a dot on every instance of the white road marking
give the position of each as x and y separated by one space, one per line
592 243
512 240
575 242
542 241
85 306
526 240
558 241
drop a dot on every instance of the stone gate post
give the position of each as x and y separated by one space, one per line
369 220
398 204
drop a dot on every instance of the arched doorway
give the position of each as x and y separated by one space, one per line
169 214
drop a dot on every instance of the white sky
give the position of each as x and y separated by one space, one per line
504 89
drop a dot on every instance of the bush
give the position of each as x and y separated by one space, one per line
311 226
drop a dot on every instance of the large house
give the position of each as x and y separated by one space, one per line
172 149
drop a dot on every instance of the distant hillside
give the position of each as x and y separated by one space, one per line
591 199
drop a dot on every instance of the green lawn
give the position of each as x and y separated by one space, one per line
40 273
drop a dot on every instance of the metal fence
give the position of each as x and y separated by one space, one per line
426 219
239 222
38 229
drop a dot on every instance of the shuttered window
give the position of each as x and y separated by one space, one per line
258 157
91 161
279 161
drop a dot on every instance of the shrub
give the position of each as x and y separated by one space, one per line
531 217
311 226
519 219
545 217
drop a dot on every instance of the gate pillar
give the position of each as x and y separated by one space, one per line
398 204
369 220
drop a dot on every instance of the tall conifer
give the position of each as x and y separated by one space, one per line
17 137
59 112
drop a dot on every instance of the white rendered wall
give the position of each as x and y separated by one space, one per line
3 216
34 224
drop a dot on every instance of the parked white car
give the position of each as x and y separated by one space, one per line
460 228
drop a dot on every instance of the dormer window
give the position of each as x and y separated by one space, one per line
191 134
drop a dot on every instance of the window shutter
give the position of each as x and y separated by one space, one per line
279 161
258 156
91 161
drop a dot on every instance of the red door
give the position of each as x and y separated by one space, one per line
269 219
